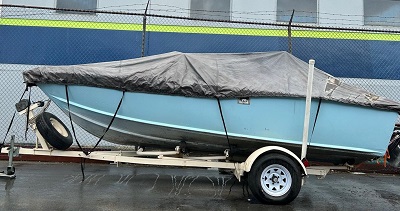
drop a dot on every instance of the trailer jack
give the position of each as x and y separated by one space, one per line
13 152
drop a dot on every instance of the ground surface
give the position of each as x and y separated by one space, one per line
58 186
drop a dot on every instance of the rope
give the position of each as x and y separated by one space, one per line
72 125
83 162
234 182
109 125
316 116
27 113
223 122
12 121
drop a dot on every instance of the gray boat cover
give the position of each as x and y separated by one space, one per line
221 75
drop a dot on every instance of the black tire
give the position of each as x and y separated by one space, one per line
283 174
54 131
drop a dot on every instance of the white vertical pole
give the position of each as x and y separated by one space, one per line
311 63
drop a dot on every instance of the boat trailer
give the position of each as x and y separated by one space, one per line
274 174
280 181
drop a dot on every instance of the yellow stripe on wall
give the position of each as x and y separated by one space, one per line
200 29
217 30
346 35
70 24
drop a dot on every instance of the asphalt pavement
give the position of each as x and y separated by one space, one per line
59 186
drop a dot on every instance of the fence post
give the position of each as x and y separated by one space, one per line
144 27
290 33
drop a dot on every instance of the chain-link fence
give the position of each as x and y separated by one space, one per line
31 36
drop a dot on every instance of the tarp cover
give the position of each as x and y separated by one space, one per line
220 75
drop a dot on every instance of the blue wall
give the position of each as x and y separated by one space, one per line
64 46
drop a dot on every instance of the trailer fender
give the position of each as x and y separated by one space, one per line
264 150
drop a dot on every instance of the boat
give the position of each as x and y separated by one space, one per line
210 102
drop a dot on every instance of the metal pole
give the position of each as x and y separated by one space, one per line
290 33
10 168
144 27
11 152
311 63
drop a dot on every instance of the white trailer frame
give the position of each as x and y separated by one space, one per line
168 158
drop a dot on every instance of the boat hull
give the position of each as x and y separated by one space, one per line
338 132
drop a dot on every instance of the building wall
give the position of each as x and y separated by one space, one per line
41 3
331 13
269 6
341 13
115 5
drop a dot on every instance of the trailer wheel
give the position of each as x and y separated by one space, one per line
54 131
275 179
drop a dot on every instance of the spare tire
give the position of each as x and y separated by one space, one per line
54 131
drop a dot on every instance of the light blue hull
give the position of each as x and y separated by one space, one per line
340 132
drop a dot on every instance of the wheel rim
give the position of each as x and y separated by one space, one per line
59 127
276 180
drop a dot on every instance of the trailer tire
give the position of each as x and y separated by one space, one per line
54 131
275 179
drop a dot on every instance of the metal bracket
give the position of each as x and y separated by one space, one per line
322 171
141 151
32 121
